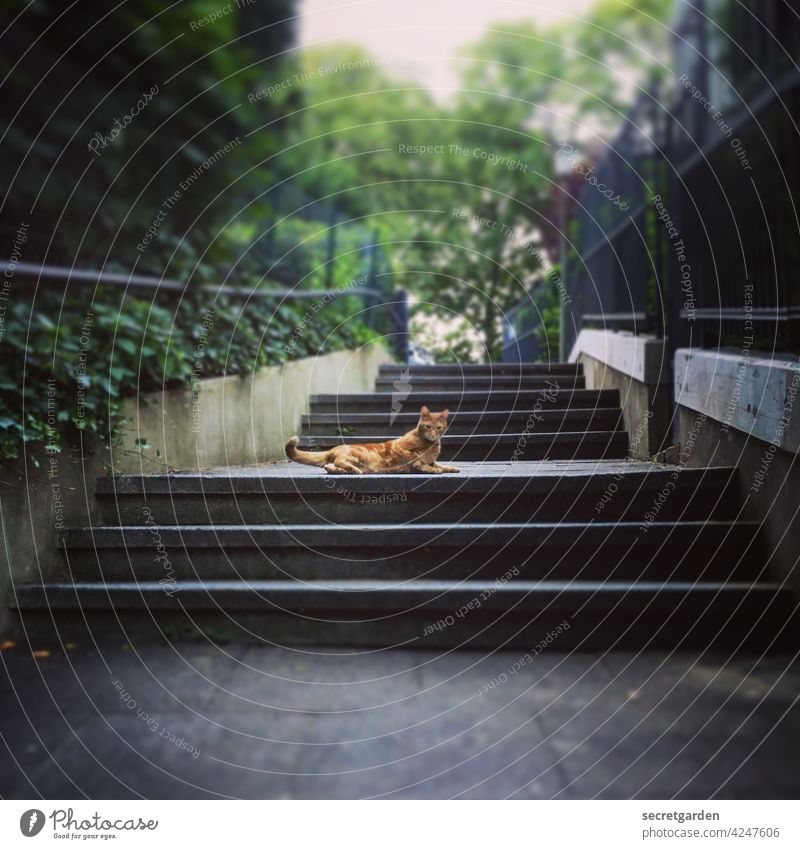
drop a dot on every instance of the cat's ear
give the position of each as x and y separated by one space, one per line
444 414
424 411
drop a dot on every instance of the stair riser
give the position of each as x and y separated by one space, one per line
454 384
489 401
554 447
657 558
554 421
339 506
536 634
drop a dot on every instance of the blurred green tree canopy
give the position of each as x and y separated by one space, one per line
463 191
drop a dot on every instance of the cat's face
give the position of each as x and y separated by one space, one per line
432 425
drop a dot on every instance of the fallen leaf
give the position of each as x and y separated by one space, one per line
7 644
41 653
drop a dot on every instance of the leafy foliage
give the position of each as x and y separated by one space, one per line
73 364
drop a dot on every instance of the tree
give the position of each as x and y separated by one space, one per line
465 212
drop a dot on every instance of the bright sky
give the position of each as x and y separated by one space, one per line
422 37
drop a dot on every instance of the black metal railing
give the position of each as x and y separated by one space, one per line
615 255
733 194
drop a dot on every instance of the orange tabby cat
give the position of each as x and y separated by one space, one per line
416 451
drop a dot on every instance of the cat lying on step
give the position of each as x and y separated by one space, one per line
416 451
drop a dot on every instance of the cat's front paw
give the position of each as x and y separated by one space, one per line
450 469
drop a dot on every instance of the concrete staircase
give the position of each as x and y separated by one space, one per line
548 534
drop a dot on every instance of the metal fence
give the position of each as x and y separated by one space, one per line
708 162
304 251
734 176
615 248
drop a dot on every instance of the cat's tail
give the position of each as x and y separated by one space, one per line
310 458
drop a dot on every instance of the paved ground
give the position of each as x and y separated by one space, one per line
188 721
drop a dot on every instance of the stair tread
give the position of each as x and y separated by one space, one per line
489 476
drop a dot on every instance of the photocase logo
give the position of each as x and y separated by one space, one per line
31 822
402 389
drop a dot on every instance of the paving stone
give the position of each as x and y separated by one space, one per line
654 732
319 723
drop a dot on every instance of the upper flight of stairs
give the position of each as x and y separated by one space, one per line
502 554
522 412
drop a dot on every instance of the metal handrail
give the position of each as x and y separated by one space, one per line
141 281
616 318
766 314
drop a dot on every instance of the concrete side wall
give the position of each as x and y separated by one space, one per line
35 505
224 421
645 408
640 356
769 479
742 409
237 421
754 394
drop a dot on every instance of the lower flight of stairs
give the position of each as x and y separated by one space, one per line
585 550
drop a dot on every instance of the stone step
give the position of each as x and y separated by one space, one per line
665 551
545 369
454 383
506 446
483 492
373 424
371 402
536 616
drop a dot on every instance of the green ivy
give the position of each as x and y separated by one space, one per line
72 361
